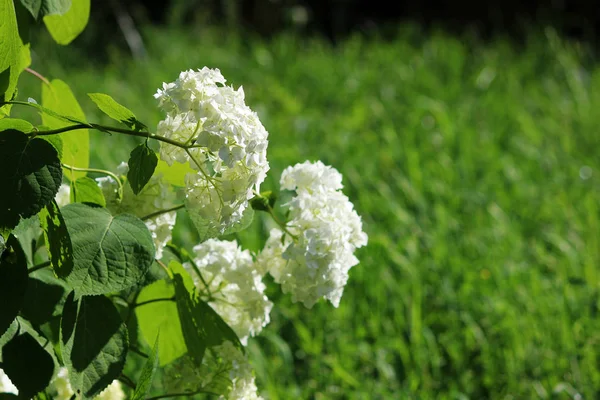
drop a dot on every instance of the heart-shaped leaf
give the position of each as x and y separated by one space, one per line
111 253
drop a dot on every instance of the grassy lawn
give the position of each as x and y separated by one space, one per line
476 170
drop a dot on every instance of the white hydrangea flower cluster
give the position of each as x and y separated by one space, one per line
243 386
60 388
6 386
157 195
326 229
235 285
231 152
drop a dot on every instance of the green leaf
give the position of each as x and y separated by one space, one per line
174 174
28 232
142 163
247 218
58 241
66 119
264 202
112 253
31 175
59 98
44 298
86 190
39 8
93 342
161 316
116 111
12 330
55 141
28 365
11 45
16 124
3 241
13 282
64 28
147 374
202 327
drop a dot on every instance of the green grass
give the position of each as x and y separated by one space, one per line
470 164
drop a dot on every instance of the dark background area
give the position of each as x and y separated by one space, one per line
337 18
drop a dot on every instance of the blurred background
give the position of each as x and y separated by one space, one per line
468 137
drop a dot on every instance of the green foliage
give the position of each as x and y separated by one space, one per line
242 224
28 232
15 124
31 174
264 202
93 342
66 27
40 8
28 365
114 252
13 282
173 174
116 111
59 98
142 163
147 374
158 320
202 327
55 141
58 241
44 298
14 56
86 190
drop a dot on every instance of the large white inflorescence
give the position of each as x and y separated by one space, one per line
230 152
235 285
243 386
327 231
157 195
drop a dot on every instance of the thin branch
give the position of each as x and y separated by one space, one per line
100 171
143 303
162 264
138 351
281 224
160 212
103 128
39 266
181 394
127 381
38 75
194 266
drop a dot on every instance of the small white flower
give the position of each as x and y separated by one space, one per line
311 177
243 386
314 263
232 143
235 285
